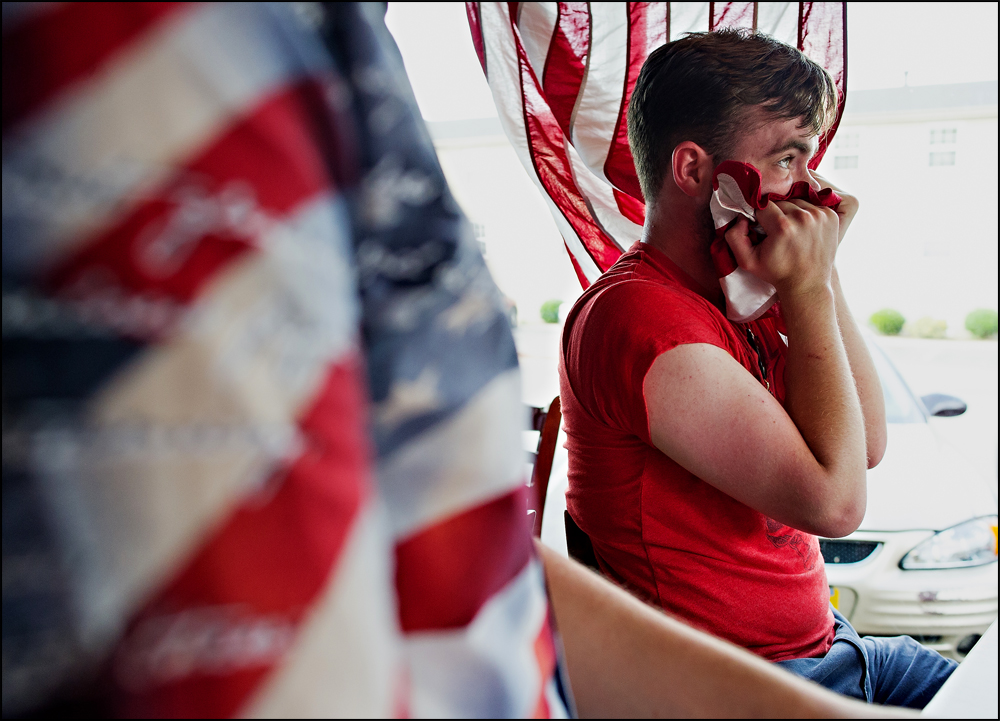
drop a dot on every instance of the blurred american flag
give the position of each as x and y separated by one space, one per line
260 398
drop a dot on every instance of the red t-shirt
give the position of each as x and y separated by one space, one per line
656 528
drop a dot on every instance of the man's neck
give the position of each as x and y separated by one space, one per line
681 237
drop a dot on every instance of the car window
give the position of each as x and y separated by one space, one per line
900 404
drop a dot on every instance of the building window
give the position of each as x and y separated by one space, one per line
944 136
947 158
847 141
845 162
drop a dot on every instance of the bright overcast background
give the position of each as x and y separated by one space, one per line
934 43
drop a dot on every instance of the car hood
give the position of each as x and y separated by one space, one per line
922 483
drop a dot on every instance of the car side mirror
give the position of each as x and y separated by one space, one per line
938 404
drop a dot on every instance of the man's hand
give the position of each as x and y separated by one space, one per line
848 207
797 255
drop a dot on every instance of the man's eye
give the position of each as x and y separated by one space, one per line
786 162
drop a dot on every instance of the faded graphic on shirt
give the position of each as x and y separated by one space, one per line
782 536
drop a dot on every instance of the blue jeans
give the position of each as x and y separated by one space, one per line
894 671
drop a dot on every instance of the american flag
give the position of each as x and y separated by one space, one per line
562 74
261 403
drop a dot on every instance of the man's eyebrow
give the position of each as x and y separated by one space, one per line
791 145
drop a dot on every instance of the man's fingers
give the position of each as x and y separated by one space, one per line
790 206
768 212
774 216
738 238
798 209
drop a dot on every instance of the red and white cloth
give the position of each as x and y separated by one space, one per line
562 75
736 193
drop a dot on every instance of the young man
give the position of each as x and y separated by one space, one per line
707 455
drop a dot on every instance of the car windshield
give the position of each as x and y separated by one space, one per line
900 405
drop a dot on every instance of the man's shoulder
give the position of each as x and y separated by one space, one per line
627 319
632 293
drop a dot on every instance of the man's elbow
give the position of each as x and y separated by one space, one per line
842 518
876 447
843 526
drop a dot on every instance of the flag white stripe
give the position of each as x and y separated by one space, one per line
688 18
489 667
536 22
348 653
747 296
656 19
779 20
502 65
595 117
112 139
429 479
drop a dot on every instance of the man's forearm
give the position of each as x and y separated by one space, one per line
626 659
821 399
866 380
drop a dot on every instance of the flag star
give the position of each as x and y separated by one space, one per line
472 308
408 399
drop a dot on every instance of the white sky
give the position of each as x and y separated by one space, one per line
935 43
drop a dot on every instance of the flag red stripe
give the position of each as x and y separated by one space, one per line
619 167
580 275
546 143
733 15
252 581
566 61
631 207
823 37
445 573
85 34
476 25
545 655
215 207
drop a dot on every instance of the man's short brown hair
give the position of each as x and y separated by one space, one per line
699 88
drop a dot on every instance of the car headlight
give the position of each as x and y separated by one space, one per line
973 543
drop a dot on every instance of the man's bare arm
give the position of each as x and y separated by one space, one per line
865 376
626 659
866 379
804 464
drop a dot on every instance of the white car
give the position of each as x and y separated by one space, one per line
924 560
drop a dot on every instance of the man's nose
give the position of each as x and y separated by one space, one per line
811 179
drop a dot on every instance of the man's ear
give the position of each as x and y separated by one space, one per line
691 168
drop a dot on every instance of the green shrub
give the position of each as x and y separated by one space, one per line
550 311
887 321
981 322
928 327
